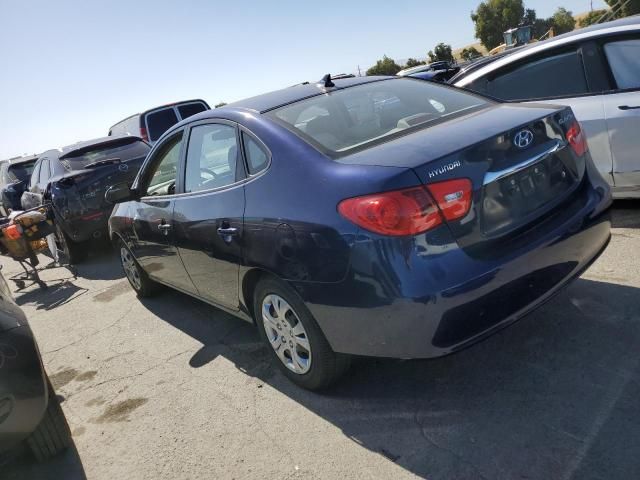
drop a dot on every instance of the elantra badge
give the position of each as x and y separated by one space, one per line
523 138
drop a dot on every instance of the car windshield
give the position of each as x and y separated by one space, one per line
19 172
105 154
354 117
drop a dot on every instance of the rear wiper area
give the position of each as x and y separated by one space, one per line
99 163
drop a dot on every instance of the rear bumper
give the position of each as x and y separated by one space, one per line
23 389
87 226
407 300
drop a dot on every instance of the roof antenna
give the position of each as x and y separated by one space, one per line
326 82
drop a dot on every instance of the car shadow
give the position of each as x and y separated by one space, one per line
101 264
554 396
626 214
21 466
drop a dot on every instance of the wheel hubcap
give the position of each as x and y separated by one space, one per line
130 268
286 334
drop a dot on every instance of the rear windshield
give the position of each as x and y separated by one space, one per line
105 154
354 117
189 109
159 122
18 172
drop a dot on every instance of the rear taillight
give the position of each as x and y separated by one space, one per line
577 139
409 211
143 134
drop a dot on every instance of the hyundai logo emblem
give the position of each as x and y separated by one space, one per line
123 167
523 138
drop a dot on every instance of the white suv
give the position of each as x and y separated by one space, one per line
594 70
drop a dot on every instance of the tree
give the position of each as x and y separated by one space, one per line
469 54
442 52
493 17
630 8
386 66
563 21
221 104
412 62
592 17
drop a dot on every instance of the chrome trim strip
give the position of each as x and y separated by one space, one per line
490 177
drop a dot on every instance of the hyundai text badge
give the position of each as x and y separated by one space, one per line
523 138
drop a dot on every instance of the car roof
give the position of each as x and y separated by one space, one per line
159 107
269 101
627 24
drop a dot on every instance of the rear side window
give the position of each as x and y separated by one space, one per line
257 158
624 60
560 75
211 157
110 153
190 109
372 112
159 122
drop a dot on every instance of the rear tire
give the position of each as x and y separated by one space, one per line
293 337
52 435
75 252
137 277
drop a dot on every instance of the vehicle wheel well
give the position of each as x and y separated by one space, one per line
249 283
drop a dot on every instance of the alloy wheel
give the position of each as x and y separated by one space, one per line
130 268
286 334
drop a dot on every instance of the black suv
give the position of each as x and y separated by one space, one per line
75 179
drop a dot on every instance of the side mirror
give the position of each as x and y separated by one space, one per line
119 193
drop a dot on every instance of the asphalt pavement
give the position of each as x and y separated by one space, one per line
171 388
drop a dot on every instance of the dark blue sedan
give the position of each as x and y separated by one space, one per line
367 216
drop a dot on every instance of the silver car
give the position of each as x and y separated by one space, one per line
594 70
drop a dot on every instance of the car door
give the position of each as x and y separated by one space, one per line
152 225
622 110
208 214
569 75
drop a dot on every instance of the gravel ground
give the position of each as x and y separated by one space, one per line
173 388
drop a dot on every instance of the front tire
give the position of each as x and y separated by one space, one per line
52 436
138 278
294 338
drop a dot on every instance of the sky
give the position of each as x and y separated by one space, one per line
71 69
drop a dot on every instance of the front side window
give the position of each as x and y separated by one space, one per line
211 157
356 116
163 169
159 122
44 171
624 60
35 175
560 75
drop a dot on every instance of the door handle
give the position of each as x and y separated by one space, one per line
164 228
629 107
227 232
